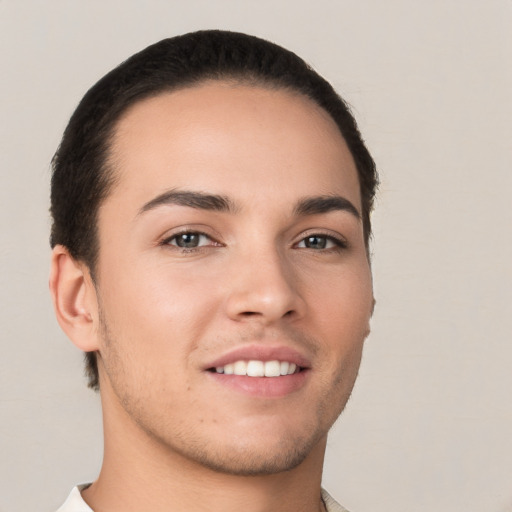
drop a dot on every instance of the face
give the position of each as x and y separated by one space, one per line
233 283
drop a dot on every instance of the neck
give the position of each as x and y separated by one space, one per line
139 473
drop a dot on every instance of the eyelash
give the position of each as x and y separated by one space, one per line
167 241
339 243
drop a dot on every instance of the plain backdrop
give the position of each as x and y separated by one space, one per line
429 425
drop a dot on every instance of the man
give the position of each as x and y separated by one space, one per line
210 201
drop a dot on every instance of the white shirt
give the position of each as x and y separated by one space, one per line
75 502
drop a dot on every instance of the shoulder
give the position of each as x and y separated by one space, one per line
331 504
75 503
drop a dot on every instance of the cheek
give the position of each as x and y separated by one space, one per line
342 314
170 315
164 294
343 305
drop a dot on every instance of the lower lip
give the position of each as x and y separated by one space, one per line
265 387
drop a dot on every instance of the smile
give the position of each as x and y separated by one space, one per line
255 368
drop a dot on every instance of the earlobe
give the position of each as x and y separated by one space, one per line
74 299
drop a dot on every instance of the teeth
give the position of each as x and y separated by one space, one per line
258 368
240 368
272 369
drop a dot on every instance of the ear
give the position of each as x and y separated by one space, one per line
368 327
74 299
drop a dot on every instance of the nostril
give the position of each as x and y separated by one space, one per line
249 314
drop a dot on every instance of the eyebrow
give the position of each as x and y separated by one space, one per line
315 205
324 204
191 199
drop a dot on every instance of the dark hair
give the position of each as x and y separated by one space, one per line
82 175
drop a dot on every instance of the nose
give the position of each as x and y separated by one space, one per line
264 289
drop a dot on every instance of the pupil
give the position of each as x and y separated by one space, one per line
188 240
316 242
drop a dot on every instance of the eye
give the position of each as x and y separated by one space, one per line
189 240
321 242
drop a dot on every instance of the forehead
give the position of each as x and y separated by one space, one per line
224 137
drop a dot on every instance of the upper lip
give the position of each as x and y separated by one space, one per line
261 353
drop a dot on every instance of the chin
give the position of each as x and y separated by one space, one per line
253 461
267 451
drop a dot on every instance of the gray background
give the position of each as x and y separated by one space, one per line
429 426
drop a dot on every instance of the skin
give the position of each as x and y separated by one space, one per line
158 314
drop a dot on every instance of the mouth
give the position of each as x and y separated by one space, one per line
257 368
261 371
